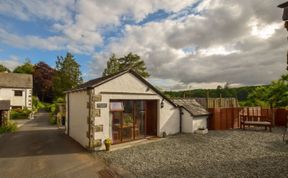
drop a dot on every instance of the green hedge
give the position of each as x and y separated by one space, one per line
20 113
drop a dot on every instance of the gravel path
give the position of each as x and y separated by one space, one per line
234 153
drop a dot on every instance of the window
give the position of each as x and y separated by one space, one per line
18 92
116 106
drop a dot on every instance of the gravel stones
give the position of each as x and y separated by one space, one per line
233 153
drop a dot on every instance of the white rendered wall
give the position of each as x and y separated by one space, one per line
187 122
168 116
199 122
24 101
191 123
78 113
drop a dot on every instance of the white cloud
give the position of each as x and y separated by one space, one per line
232 41
264 31
218 50
11 63
223 49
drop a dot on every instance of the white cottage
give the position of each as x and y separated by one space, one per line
122 106
17 88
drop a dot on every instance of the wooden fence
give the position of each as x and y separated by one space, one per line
228 118
218 102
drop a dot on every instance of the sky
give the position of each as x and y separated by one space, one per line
186 44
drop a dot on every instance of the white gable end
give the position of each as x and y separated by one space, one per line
126 83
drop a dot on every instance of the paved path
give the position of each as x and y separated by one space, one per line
41 150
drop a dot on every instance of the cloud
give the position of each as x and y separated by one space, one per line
79 24
11 63
41 9
242 43
200 43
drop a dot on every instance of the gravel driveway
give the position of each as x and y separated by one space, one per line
233 153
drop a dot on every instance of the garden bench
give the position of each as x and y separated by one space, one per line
255 121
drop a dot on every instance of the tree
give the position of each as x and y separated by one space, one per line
113 66
4 69
274 95
26 68
68 74
43 81
129 61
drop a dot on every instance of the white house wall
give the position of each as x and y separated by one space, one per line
192 123
187 122
23 101
78 113
199 122
168 117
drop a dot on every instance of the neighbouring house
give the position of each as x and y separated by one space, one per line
123 107
17 88
4 111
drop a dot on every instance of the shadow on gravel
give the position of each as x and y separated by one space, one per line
277 145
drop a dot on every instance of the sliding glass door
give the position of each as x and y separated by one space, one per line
128 120
139 119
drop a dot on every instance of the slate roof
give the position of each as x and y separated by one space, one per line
4 105
14 80
192 106
99 81
95 82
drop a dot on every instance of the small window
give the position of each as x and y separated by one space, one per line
116 106
18 93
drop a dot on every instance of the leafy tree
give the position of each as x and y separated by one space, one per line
26 68
113 66
68 74
274 95
4 69
43 81
129 61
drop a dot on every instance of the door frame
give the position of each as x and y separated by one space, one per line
133 113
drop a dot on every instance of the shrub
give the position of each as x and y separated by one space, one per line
20 113
10 127
52 119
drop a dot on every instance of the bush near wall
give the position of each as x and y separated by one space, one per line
9 127
20 113
52 119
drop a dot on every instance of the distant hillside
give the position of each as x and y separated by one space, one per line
240 93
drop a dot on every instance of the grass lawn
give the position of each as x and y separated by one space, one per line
233 153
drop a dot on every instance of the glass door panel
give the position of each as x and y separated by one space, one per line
116 126
127 121
139 119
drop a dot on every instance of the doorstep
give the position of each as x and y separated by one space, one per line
134 143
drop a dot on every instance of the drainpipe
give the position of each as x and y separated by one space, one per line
90 115
180 113
68 114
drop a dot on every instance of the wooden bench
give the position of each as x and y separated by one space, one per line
255 121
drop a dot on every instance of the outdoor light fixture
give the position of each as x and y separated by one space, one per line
162 103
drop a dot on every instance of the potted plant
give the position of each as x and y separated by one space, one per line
107 143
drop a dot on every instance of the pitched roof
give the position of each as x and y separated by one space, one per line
192 106
283 5
4 105
14 80
99 81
